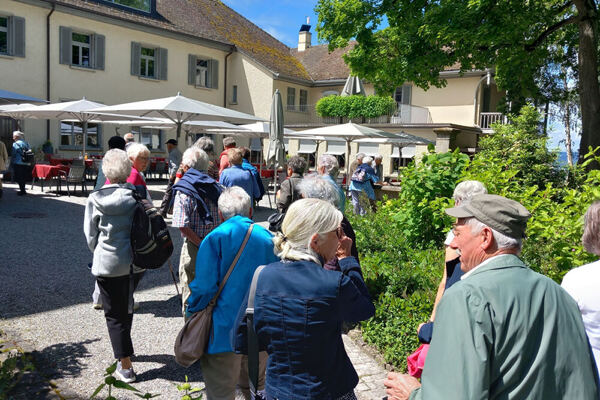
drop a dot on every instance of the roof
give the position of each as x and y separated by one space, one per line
211 20
323 65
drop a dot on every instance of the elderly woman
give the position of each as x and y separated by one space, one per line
463 192
140 157
583 283
107 226
20 168
208 146
288 192
299 307
328 167
361 186
320 187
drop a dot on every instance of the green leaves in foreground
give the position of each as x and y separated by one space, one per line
111 382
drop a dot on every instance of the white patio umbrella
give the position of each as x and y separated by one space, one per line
14 111
261 128
78 110
348 132
353 86
179 109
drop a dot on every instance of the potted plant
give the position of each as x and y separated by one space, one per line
47 147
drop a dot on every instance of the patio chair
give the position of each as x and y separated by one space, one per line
161 168
76 175
78 162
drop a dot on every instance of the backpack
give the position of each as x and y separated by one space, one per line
150 239
359 175
27 155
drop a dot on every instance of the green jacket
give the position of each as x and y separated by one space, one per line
506 332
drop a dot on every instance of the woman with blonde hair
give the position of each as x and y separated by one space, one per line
300 306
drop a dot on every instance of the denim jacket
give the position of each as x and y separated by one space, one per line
299 309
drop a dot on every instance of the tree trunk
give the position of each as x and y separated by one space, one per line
567 106
589 90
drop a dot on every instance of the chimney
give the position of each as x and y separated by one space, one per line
304 38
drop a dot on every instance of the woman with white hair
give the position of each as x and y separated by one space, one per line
140 157
205 143
463 192
583 283
107 226
361 186
300 306
20 167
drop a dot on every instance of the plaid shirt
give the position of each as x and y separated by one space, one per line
185 215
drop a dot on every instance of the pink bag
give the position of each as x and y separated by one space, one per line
416 361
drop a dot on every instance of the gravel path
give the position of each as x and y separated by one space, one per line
45 303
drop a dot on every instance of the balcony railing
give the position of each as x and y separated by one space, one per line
404 114
486 119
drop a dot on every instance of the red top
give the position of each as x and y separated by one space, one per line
135 178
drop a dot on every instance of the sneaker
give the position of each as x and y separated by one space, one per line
97 306
125 375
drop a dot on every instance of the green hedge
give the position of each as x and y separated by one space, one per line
355 106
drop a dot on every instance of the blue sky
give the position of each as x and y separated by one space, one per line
282 18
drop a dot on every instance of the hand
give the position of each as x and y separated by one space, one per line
400 386
344 246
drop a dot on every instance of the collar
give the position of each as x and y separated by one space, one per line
466 274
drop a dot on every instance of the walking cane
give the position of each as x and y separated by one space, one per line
175 282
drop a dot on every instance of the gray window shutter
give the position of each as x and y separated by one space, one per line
406 94
213 70
16 36
136 50
192 59
163 61
99 46
66 50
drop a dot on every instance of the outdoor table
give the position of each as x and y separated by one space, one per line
68 161
44 171
391 191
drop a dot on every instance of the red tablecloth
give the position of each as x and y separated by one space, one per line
69 161
44 171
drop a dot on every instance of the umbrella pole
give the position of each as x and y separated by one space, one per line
85 126
347 166
178 130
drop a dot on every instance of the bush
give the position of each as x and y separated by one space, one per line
355 106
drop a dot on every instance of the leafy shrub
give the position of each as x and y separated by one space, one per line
355 106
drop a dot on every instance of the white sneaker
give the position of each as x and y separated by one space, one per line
125 375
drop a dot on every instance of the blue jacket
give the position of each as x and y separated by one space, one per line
216 252
367 185
18 148
249 167
237 176
299 308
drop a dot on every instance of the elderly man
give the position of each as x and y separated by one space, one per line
379 168
174 162
195 212
236 175
129 139
504 331
228 143
222 369
328 167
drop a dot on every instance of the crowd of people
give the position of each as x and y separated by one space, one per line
498 330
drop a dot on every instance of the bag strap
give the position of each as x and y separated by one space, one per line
213 301
253 360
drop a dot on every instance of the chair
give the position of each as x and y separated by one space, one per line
76 175
161 168
266 184
92 171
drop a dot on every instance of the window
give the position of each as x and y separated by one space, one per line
234 95
149 137
255 151
303 100
203 72
71 135
142 5
80 44
149 62
403 157
12 36
402 94
291 98
79 49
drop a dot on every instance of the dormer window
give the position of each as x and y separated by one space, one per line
146 6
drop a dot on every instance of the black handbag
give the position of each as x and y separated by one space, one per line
275 220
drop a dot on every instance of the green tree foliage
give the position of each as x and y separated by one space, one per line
518 38
355 106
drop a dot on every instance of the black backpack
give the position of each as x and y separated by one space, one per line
150 239
27 155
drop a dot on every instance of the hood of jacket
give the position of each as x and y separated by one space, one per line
114 199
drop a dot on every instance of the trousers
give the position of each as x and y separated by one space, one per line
21 172
187 270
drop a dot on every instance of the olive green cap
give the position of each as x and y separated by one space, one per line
504 215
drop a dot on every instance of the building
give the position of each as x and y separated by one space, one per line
116 51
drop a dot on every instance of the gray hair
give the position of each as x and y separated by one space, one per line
205 143
195 158
502 241
116 166
129 138
234 201
315 186
378 157
297 164
465 190
136 149
367 160
228 141
330 163
18 135
303 219
591 229
360 156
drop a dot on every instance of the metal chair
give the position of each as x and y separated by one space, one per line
161 168
76 175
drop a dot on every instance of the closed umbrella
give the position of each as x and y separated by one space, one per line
276 152
353 86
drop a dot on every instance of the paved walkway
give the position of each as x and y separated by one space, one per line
45 304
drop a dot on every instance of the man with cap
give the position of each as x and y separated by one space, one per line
174 162
503 331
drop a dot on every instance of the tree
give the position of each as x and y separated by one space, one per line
516 37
